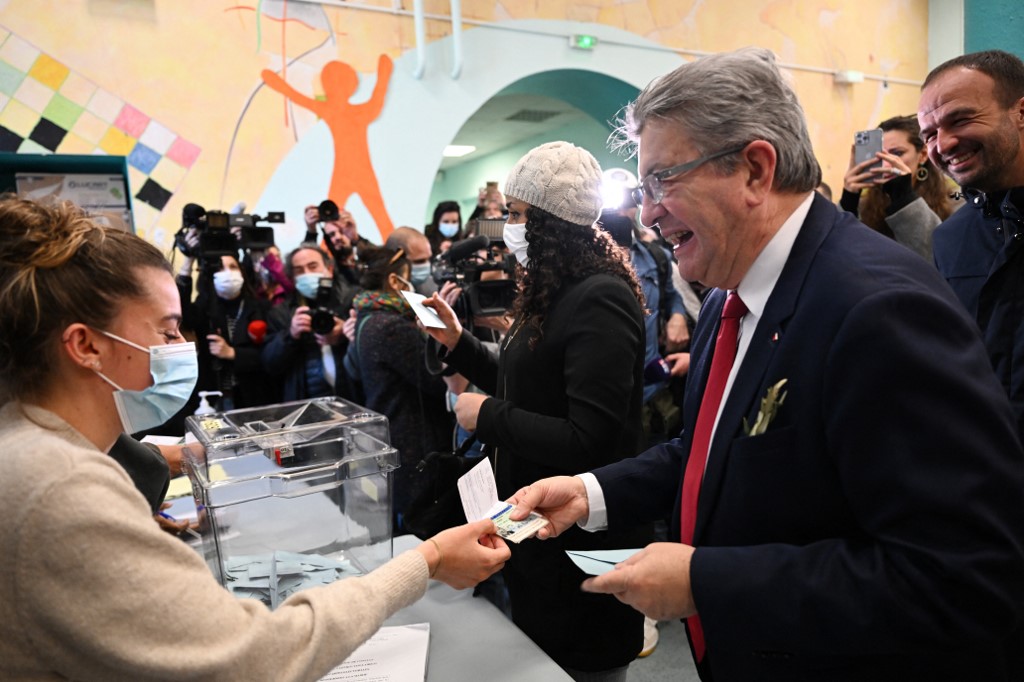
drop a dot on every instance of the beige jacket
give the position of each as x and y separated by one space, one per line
91 589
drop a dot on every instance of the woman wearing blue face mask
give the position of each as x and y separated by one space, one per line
446 227
229 323
387 355
566 395
90 587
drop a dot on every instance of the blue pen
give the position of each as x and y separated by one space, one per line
186 529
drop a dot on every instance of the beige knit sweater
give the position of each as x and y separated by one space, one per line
91 589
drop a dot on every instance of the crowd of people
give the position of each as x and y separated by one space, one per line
793 396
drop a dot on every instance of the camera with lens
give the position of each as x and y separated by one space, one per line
327 211
484 273
320 312
217 232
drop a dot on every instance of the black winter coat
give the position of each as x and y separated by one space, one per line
567 406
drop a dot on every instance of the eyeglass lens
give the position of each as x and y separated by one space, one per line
637 195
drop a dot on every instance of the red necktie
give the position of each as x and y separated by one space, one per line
721 365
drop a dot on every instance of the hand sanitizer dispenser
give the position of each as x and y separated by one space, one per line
204 405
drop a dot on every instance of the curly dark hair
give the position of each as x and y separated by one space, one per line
561 252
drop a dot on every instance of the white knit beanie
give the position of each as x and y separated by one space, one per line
562 179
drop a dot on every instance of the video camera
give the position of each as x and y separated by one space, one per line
216 237
464 265
322 316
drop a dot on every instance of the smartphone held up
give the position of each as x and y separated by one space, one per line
866 145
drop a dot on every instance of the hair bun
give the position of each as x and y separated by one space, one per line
41 236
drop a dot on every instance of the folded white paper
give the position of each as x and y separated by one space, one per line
426 315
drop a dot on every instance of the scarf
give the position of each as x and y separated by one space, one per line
376 299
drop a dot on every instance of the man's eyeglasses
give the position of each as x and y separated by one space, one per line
653 185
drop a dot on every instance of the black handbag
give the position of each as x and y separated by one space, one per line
439 507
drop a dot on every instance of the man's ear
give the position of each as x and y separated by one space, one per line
758 161
78 342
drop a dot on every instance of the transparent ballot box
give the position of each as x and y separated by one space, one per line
291 496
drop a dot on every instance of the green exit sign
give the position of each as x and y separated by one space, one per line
581 41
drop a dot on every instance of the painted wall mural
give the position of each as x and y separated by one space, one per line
47 107
179 87
353 172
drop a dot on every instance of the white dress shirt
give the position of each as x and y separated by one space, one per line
754 290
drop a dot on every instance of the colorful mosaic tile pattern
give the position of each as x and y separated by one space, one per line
47 108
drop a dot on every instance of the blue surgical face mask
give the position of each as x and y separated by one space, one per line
174 369
448 230
419 274
307 284
514 236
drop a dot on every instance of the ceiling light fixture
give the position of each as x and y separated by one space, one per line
454 151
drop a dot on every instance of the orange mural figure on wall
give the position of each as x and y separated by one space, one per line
353 173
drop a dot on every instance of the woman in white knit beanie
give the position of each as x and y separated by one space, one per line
566 390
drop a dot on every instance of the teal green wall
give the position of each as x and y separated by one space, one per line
994 25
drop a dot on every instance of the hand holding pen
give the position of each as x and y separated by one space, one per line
173 525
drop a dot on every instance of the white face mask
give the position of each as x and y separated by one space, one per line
228 284
514 236
448 229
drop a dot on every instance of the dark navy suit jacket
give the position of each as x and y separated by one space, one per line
876 530
979 250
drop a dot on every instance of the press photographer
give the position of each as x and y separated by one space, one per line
340 234
305 341
228 319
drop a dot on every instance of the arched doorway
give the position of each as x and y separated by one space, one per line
562 104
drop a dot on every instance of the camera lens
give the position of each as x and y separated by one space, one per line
322 321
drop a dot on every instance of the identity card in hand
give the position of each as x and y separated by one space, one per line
425 315
516 531
479 496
